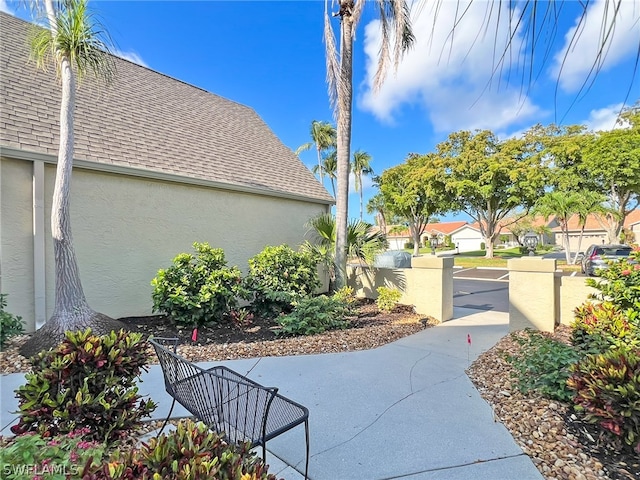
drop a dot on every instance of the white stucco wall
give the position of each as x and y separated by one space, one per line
126 228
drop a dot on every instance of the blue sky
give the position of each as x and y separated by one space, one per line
270 55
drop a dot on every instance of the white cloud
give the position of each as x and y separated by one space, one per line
449 76
603 119
573 64
131 56
4 7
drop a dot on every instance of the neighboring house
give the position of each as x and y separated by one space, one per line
467 237
594 233
158 165
398 239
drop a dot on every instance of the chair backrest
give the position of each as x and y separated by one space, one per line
223 399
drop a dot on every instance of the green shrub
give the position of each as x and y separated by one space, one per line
620 283
279 276
346 295
388 298
86 382
197 290
543 366
191 452
409 245
314 315
63 456
10 325
607 391
599 327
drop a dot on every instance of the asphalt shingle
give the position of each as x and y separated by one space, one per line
146 120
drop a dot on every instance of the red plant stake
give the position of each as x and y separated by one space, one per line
194 335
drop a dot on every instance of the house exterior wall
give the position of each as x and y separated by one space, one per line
125 228
589 238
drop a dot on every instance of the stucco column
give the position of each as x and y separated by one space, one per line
432 286
532 296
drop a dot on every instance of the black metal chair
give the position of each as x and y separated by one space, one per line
228 402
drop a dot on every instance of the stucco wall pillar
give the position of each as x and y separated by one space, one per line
432 286
532 293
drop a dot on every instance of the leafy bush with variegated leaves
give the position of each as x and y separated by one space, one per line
87 382
607 391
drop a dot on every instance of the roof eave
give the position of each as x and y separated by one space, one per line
19 154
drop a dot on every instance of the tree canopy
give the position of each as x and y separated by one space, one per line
413 191
489 179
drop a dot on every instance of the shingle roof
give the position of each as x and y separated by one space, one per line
146 120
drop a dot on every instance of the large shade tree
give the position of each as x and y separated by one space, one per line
490 179
397 38
414 191
612 160
72 44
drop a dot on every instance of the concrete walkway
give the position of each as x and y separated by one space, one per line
404 410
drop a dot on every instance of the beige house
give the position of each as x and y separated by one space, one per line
594 231
158 165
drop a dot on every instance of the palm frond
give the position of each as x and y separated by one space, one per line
331 55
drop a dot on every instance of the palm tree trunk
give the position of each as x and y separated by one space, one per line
320 169
345 94
69 293
361 199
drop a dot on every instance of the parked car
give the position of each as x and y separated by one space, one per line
598 257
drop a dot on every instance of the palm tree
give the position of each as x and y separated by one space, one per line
360 166
328 168
590 203
376 205
562 206
72 42
397 38
323 137
363 242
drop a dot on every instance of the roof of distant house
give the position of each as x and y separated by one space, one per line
444 228
146 122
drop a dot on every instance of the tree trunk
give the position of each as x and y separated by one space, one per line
320 168
361 201
575 257
345 93
71 310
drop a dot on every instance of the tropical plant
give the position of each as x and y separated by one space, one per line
88 382
323 137
591 203
328 168
562 206
376 205
73 43
360 166
190 452
363 242
396 39
197 289
279 276
10 324
607 391
602 326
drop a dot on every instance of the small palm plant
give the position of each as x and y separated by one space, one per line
363 242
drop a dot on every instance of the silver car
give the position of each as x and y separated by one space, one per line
598 257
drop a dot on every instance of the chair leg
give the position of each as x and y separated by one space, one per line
173 404
306 432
